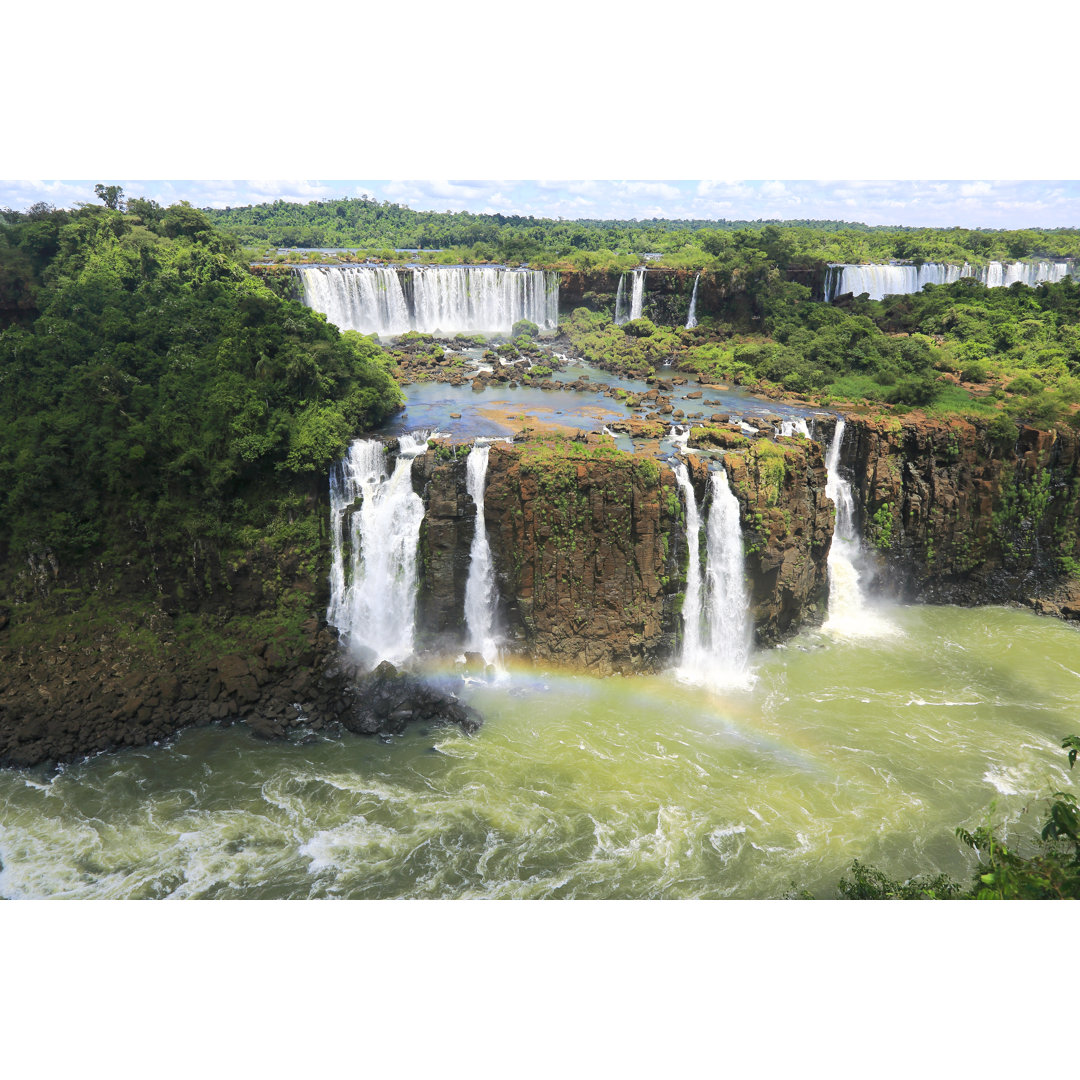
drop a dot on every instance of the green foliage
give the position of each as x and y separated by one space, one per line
881 527
771 459
525 328
161 381
1051 872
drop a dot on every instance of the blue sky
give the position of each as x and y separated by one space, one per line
967 203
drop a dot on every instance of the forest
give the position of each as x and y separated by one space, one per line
379 228
148 380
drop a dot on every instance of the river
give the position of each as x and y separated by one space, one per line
839 748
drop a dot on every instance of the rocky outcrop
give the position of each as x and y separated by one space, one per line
386 701
969 512
445 541
787 525
666 298
589 546
587 550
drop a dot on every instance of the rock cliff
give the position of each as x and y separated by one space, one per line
589 546
787 523
969 512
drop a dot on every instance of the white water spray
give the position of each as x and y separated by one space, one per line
620 293
890 279
373 605
691 318
848 614
637 295
716 624
449 299
792 427
480 593
680 439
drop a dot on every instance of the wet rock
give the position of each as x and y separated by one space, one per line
386 701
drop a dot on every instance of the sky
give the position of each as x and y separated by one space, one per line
967 203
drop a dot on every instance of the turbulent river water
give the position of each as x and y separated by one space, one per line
576 787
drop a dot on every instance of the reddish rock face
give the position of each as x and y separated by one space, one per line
587 554
590 549
962 513
787 524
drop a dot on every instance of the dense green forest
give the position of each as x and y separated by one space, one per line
148 380
378 228
952 349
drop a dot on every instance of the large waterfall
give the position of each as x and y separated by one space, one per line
373 587
480 592
637 294
881 280
716 626
448 299
691 318
848 614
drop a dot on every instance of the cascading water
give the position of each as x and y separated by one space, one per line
620 294
373 599
447 299
881 280
691 318
480 593
637 295
792 427
680 439
365 298
716 626
848 616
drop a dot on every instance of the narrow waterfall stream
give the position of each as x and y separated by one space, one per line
480 593
691 318
373 588
620 301
848 613
637 295
716 625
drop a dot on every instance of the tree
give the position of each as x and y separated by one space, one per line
112 196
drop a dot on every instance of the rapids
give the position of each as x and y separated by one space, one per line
577 787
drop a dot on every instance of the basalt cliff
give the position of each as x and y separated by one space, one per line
590 557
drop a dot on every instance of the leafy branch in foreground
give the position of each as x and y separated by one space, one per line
1050 873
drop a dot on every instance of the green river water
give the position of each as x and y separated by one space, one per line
576 787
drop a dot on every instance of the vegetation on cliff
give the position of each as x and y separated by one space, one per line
1011 354
150 385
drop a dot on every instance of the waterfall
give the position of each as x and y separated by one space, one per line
364 298
691 318
373 597
680 440
848 616
716 625
448 299
637 295
620 292
880 280
480 593
791 427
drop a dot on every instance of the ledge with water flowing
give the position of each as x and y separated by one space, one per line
394 300
879 280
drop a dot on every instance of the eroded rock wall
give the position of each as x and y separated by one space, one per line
969 512
787 525
590 550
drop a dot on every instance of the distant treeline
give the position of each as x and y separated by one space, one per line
380 227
